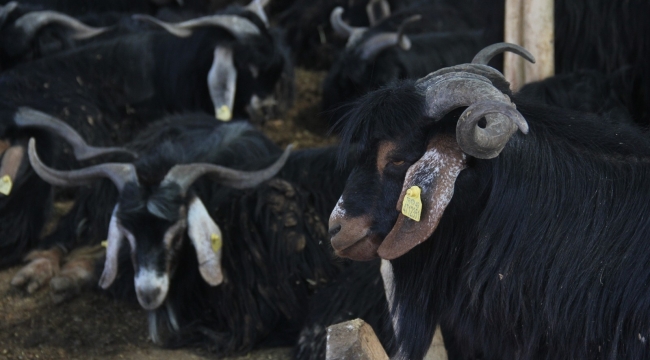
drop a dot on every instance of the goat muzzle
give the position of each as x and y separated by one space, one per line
351 236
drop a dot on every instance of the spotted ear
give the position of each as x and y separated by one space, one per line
434 174
206 238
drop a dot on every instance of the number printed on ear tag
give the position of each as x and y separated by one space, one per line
412 205
5 185
215 241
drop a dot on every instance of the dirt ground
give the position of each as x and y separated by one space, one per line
95 327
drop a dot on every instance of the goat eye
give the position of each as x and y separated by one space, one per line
398 163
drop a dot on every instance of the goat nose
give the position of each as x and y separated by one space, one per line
149 296
334 229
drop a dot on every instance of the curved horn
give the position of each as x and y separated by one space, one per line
257 7
27 117
185 175
32 22
484 56
340 27
478 66
487 143
459 89
353 34
382 41
6 10
120 174
383 11
238 26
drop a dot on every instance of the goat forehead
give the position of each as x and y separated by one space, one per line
149 231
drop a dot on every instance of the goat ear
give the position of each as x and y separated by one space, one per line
113 243
206 238
435 174
222 83
10 166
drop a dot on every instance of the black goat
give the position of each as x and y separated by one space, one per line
311 35
409 44
81 7
27 34
271 256
365 67
115 87
525 246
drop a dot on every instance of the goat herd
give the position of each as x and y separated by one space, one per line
518 223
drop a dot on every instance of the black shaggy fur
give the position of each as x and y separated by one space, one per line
349 296
541 253
586 91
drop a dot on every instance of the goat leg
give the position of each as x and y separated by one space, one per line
43 265
77 274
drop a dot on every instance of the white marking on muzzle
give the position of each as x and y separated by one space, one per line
339 211
151 288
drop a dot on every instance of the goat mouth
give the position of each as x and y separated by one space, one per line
362 249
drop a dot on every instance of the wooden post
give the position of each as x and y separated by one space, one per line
530 23
513 65
437 350
539 34
353 340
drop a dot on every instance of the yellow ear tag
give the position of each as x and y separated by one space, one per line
105 243
412 205
215 241
224 113
5 185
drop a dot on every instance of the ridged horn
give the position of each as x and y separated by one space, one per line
503 120
479 65
238 26
32 22
185 175
119 173
27 117
452 90
484 56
